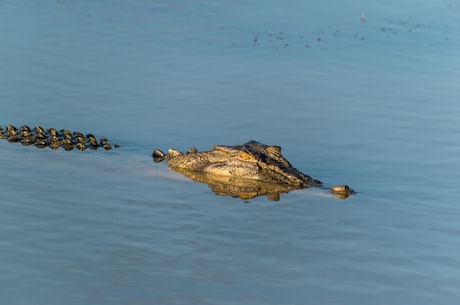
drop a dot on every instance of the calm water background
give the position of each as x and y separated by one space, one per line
373 104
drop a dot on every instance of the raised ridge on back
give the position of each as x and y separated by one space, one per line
52 138
245 171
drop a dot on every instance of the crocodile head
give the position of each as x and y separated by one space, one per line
251 160
247 170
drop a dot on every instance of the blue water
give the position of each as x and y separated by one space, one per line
361 93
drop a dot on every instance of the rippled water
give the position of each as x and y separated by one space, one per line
358 93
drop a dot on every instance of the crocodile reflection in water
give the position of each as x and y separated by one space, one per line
245 171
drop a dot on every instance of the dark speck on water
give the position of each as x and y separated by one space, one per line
370 104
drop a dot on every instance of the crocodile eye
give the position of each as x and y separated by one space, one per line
245 155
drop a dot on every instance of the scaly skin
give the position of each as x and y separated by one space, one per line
245 171
52 138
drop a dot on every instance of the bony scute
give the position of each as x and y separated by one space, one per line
52 138
244 171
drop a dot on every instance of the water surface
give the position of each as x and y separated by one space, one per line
372 104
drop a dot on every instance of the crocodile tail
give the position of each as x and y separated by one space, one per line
52 138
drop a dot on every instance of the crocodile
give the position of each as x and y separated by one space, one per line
52 138
244 171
